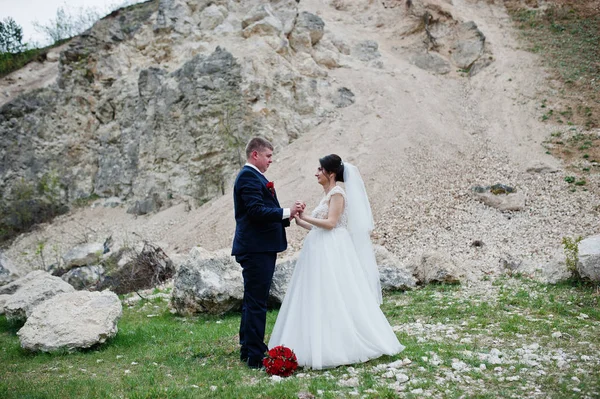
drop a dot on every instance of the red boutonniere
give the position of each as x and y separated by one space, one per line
271 187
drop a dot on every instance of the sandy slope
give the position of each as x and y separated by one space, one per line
421 142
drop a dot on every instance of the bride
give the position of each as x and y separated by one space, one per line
330 315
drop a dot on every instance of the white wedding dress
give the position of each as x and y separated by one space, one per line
330 316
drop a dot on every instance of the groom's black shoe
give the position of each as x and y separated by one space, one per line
255 363
244 357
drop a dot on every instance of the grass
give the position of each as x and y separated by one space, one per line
566 35
10 62
170 356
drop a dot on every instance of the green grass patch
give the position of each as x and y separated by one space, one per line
442 327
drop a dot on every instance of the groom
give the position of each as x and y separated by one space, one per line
259 236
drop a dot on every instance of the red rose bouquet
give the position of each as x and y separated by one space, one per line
280 361
271 187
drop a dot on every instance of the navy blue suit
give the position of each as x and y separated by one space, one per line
259 236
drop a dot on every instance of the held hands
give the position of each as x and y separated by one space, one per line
297 209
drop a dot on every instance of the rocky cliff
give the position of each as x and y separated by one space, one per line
154 104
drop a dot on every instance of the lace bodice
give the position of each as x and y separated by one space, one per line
322 210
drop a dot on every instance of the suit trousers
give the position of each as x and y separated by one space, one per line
258 269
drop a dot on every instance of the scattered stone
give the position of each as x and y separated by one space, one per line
506 202
367 50
83 255
85 277
431 62
351 382
540 167
343 98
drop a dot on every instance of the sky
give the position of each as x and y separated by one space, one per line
24 12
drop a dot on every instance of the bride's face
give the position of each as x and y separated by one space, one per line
322 176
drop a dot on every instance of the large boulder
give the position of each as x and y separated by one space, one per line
209 282
13 287
588 265
281 278
71 321
392 274
7 270
555 270
20 305
83 255
435 267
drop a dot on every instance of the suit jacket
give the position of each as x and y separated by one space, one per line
258 215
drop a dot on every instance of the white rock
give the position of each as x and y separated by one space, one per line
73 320
43 287
351 382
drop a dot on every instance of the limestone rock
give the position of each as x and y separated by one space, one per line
367 50
343 98
540 167
431 62
209 282
326 58
145 206
212 16
3 299
83 255
469 45
14 286
84 277
555 270
72 321
274 18
20 305
392 274
7 270
503 202
281 278
435 267
589 258
307 31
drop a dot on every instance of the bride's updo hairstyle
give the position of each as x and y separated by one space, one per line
332 163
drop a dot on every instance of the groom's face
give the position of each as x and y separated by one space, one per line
263 159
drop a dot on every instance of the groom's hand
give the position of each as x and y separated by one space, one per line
296 209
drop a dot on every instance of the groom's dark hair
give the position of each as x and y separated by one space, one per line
332 163
257 144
